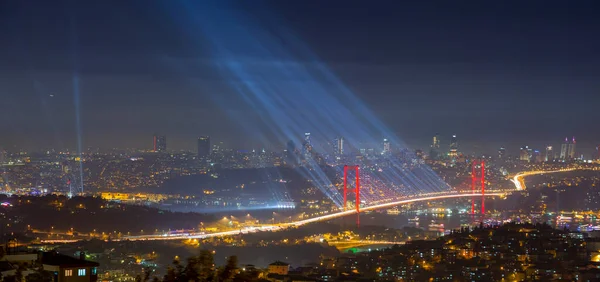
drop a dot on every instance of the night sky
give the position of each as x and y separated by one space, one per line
496 73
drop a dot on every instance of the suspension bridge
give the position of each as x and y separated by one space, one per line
474 193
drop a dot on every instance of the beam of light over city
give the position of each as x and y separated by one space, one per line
278 77
77 107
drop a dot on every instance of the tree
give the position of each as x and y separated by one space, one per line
19 273
192 269
171 275
229 270
147 274
174 273
206 264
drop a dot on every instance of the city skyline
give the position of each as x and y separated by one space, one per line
203 144
411 86
299 140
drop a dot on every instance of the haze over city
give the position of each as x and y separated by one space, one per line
238 141
496 75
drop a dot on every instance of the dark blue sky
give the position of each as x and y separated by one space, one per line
497 73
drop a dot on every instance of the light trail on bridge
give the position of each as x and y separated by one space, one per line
520 184
283 226
517 180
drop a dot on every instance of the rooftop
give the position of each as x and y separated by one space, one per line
65 261
279 263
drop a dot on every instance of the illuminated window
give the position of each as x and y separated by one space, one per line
94 271
68 272
81 272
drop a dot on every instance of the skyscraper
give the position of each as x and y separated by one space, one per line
549 154
160 143
571 150
537 156
434 153
338 147
436 142
525 154
386 147
564 149
501 153
203 146
453 147
307 146
290 153
567 150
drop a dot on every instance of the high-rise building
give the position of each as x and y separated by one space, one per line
307 146
564 149
435 147
436 142
203 146
549 154
290 153
567 150
386 147
160 143
453 147
537 156
571 150
501 153
338 147
525 154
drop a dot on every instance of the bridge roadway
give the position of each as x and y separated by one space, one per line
283 226
439 196
517 180
520 183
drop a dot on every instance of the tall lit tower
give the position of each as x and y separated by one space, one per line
549 154
435 147
290 152
478 181
525 154
501 153
160 143
307 146
387 150
436 142
338 147
453 147
354 168
307 138
203 146
564 149
571 150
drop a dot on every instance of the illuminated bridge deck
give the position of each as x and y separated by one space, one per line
283 226
517 180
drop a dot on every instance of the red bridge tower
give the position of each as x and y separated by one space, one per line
356 191
474 183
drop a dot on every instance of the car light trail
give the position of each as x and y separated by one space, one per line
517 180
520 184
283 226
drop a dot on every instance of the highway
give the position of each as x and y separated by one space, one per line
520 183
283 226
517 180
